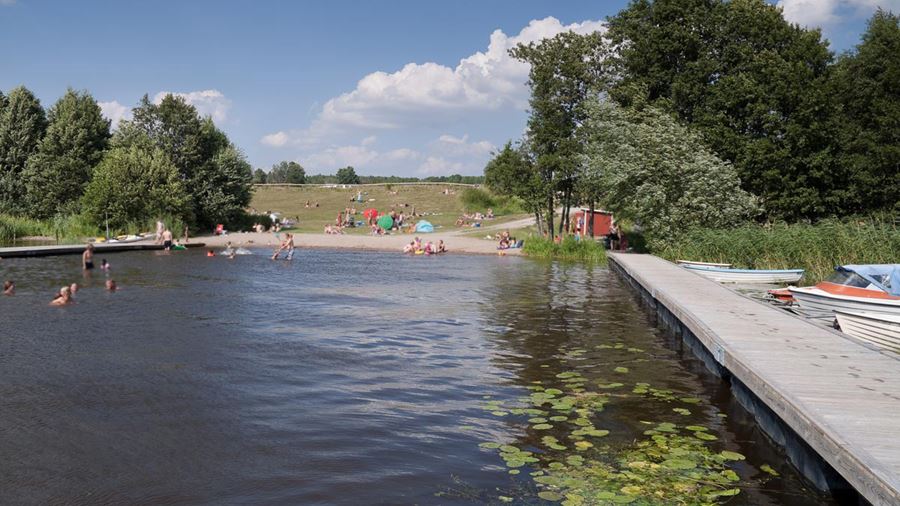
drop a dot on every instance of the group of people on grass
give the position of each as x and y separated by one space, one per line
474 219
416 247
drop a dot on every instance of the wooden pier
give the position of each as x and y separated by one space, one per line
77 249
840 397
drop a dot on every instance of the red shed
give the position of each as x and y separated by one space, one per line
602 221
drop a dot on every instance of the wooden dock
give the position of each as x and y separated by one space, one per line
841 397
77 249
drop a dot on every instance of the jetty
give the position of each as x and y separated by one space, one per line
77 249
811 389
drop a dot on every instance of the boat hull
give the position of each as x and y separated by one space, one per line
878 329
818 303
702 264
770 277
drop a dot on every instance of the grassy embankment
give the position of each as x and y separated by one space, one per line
816 248
67 229
440 209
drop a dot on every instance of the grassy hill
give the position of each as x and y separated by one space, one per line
439 208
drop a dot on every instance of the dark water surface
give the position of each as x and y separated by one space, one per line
338 378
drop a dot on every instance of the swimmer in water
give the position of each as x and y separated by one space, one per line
104 265
9 287
73 288
111 285
210 253
64 297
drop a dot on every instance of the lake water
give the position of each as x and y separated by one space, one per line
338 378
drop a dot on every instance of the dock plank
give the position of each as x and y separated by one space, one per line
840 396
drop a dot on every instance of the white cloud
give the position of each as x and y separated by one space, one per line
824 13
460 146
114 112
277 139
435 165
432 94
208 102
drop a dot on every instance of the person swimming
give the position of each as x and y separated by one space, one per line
104 265
73 288
64 297
210 253
111 285
9 287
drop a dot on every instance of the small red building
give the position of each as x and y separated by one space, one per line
602 221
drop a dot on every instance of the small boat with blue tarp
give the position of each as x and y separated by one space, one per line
871 288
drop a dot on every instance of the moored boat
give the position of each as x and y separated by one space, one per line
868 288
882 330
767 276
702 264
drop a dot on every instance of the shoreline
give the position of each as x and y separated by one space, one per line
390 243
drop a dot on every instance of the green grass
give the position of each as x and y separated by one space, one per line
440 209
816 248
567 249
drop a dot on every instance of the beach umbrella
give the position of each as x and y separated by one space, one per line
370 213
424 227
386 222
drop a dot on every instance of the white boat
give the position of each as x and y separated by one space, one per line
818 303
867 288
702 264
882 330
767 276
126 239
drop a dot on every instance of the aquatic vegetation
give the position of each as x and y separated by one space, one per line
571 462
567 249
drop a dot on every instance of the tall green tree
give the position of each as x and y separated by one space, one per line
287 172
193 145
22 126
511 172
657 172
347 175
565 71
866 88
56 175
134 184
260 176
752 83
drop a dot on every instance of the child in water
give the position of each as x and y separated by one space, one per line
9 287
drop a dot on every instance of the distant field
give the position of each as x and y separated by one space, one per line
440 209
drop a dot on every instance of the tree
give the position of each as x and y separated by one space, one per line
866 86
22 125
749 81
511 172
287 172
259 176
347 175
565 70
657 172
193 146
134 183
56 175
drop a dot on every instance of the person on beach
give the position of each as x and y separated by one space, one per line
64 297
167 239
87 258
9 287
111 285
410 248
441 247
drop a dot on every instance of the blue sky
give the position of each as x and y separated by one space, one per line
390 87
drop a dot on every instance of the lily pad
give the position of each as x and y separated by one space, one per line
729 455
548 495
705 436
621 369
679 464
542 426
682 411
766 468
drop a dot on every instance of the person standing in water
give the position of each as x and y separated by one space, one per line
286 245
167 239
87 258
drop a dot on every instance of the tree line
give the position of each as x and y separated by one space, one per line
708 113
293 173
167 161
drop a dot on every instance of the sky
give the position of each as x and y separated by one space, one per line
391 87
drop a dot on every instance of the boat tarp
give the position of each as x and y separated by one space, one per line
884 276
424 226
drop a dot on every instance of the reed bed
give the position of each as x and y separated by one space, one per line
567 249
817 248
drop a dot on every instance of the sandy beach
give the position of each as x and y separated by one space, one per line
455 243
